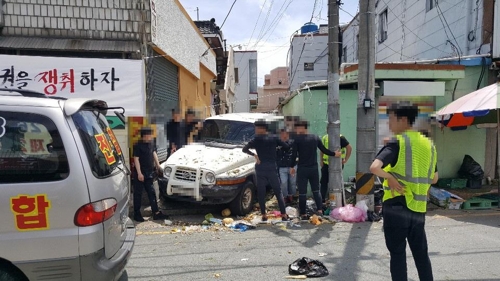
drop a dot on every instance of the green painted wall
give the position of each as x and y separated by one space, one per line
313 107
453 145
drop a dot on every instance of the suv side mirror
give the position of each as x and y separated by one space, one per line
120 116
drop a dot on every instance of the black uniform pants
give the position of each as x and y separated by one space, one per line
268 175
147 184
401 225
324 181
311 175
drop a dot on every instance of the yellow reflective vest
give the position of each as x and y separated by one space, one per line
325 143
414 169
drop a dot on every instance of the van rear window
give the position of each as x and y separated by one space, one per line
103 151
31 149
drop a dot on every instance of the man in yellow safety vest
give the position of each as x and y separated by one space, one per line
345 149
408 165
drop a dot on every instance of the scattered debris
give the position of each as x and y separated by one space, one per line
314 219
244 259
296 277
168 222
217 275
227 221
322 254
226 213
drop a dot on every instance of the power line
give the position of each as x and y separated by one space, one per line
257 22
265 20
220 28
346 12
276 20
444 18
230 9
303 46
416 35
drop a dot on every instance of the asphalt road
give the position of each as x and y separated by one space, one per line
463 246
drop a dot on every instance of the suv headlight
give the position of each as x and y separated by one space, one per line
167 172
210 177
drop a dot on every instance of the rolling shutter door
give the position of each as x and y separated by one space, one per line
162 97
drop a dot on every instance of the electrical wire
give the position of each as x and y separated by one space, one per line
230 9
453 35
303 46
265 20
416 35
257 22
220 28
276 20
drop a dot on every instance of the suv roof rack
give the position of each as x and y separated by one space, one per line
26 93
30 93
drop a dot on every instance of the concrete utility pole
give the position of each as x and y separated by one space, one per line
335 166
366 117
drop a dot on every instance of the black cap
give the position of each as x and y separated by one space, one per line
261 124
146 131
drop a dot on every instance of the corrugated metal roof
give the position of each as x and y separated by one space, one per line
69 44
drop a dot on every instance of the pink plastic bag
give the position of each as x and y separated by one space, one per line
348 213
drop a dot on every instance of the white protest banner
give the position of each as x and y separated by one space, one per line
119 82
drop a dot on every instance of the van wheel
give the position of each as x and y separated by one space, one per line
9 272
242 204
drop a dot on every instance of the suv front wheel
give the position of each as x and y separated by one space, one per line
243 203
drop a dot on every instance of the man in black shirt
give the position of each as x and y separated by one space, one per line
145 161
286 167
305 145
179 131
174 132
265 168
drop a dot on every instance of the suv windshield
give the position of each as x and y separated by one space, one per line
103 151
226 131
233 132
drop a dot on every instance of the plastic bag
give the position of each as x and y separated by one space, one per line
292 212
311 207
348 213
470 169
335 214
308 267
362 206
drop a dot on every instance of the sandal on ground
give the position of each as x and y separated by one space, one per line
264 217
284 217
319 213
304 217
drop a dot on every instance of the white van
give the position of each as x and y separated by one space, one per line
214 170
64 190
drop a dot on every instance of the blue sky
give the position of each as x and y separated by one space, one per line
247 24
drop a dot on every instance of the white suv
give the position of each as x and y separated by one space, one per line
63 190
214 170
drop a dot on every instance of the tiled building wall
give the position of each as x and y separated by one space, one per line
84 19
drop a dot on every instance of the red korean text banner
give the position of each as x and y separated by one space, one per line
118 82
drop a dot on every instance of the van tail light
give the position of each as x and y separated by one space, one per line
95 213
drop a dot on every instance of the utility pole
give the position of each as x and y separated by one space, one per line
335 166
366 113
197 14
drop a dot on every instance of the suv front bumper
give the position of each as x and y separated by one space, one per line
217 194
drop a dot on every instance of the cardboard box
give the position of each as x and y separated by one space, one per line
445 199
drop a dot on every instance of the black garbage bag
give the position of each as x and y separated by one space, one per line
308 267
470 169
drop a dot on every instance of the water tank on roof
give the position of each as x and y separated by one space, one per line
309 27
